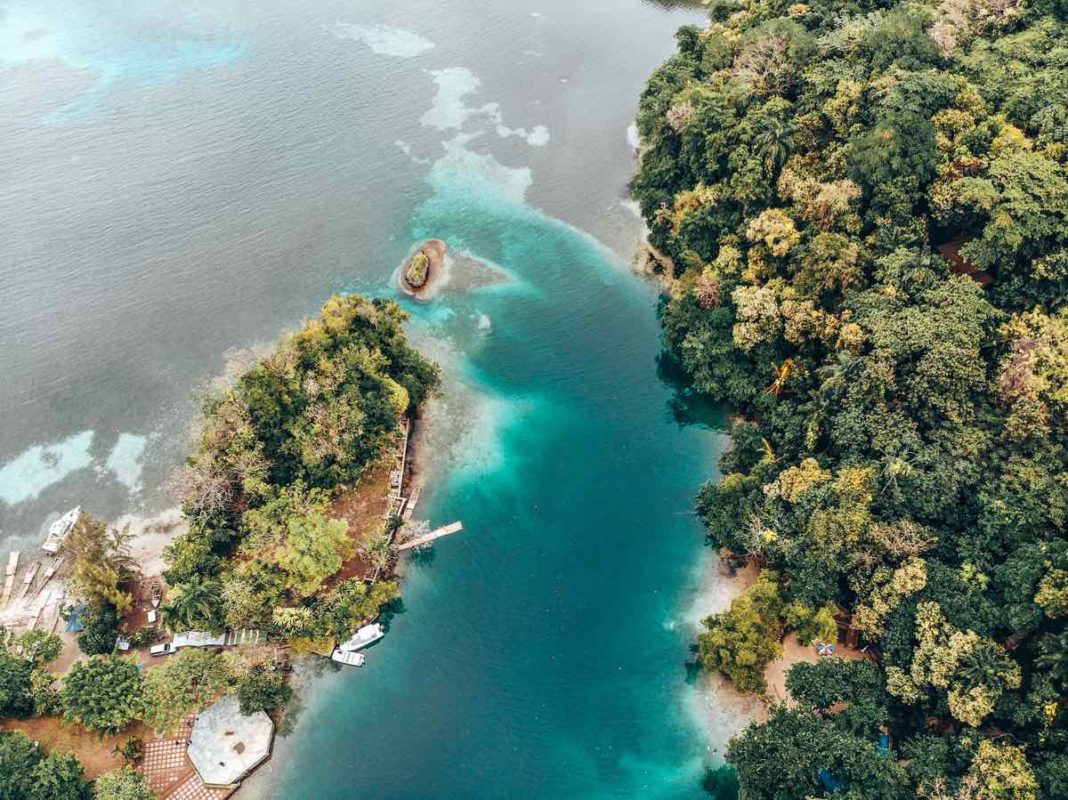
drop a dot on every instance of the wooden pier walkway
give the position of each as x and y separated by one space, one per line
437 533
27 582
9 577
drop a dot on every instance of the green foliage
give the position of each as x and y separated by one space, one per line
27 774
133 749
194 605
902 449
275 446
122 784
47 701
18 757
40 648
102 563
351 603
59 776
100 629
857 684
740 641
263 687
16 690
186 683
782 759
417 270
103 694
292 533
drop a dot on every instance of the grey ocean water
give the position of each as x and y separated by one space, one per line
180 180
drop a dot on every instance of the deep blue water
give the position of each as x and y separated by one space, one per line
184 180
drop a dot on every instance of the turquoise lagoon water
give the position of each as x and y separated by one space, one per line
186 180
538 656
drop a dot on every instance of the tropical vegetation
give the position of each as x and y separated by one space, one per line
863 210
103 694
122 784
28 774
275 447
417 270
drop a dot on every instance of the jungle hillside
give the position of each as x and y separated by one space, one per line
864 210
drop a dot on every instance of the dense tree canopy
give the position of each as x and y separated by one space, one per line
103 566
28 774
100 629
103 693
867 210
188 682
274 448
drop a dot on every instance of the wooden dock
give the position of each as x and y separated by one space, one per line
27 582
9 577
52 569
395 503
409 506
437 533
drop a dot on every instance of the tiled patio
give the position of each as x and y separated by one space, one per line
165 764
193 788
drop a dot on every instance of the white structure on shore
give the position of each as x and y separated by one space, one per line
227 745
197 639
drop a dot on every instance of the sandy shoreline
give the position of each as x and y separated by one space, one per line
719 710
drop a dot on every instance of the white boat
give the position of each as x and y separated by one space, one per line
59 530
348 658
368 634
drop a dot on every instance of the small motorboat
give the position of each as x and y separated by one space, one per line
348 658
60 530
157 595
368 634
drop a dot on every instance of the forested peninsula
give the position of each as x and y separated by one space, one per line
289 546
866 207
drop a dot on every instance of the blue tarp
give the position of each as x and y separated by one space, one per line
830 783
74 625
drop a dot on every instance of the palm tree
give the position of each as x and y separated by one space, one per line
773 143
194 604
982 666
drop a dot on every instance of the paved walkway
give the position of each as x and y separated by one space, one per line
165 763
170 773
193 788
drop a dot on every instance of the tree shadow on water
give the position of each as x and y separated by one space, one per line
687 405
721 783
392 609
423 556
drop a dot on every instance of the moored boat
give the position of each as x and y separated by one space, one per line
59 530
368 634
348 658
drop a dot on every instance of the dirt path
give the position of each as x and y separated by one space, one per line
793 652
96 754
